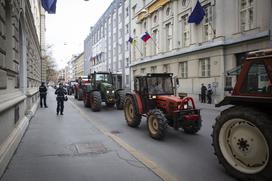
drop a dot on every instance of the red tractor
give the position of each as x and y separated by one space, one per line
78 87
154 98
242 134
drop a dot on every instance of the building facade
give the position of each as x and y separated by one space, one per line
106 47
79 65
197 53
20 71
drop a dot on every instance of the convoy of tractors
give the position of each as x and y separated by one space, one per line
242 134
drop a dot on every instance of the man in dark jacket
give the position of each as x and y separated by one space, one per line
60 92
209 94
43 93
203 93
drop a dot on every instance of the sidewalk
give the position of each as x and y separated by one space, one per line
70 148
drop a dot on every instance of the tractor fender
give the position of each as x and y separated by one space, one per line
137 100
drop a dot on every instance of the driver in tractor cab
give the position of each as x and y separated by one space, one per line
157 88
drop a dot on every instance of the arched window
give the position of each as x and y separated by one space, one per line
168 10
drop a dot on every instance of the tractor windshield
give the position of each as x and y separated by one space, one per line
160 85
103 78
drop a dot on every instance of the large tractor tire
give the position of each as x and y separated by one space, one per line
133 117
156 124
85 100
96 101
242 141
120 99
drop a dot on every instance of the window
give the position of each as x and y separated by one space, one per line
169 33
183 67
127 79
142 70
153 69
166 68
168 10
184 3
134 10
127 12
257 80
155 38
155 19
126 29
208 19
205 67
246 14
185 31
143 3
127 62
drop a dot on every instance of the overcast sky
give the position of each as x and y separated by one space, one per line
67 29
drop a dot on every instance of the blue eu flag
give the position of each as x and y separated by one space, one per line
49 6
197 14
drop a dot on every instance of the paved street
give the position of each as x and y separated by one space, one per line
76 146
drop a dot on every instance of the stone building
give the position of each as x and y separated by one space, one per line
198 53
79 65
106 47
20 70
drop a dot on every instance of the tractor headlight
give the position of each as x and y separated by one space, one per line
112 91
108 92
185 106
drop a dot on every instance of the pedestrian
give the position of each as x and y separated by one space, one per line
43 93
60 92
209 94
203 93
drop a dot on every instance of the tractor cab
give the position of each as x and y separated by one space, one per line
154 84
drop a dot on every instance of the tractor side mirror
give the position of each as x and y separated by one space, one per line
89 77
177 81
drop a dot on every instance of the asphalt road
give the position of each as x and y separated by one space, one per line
186 157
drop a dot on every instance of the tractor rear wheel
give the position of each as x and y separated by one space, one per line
156 124
96 101
133 117
120 99
242 141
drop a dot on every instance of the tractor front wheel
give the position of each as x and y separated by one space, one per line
96 101
156 124
86 101
133 117
120 99
242 141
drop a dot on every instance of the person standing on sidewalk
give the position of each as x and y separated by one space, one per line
209 94
43 93
203 93
60 92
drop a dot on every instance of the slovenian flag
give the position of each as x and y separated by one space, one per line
146 37
49 6
197 14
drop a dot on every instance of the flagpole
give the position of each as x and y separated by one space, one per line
212 29
138 50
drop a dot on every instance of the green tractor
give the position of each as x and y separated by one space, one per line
103 88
